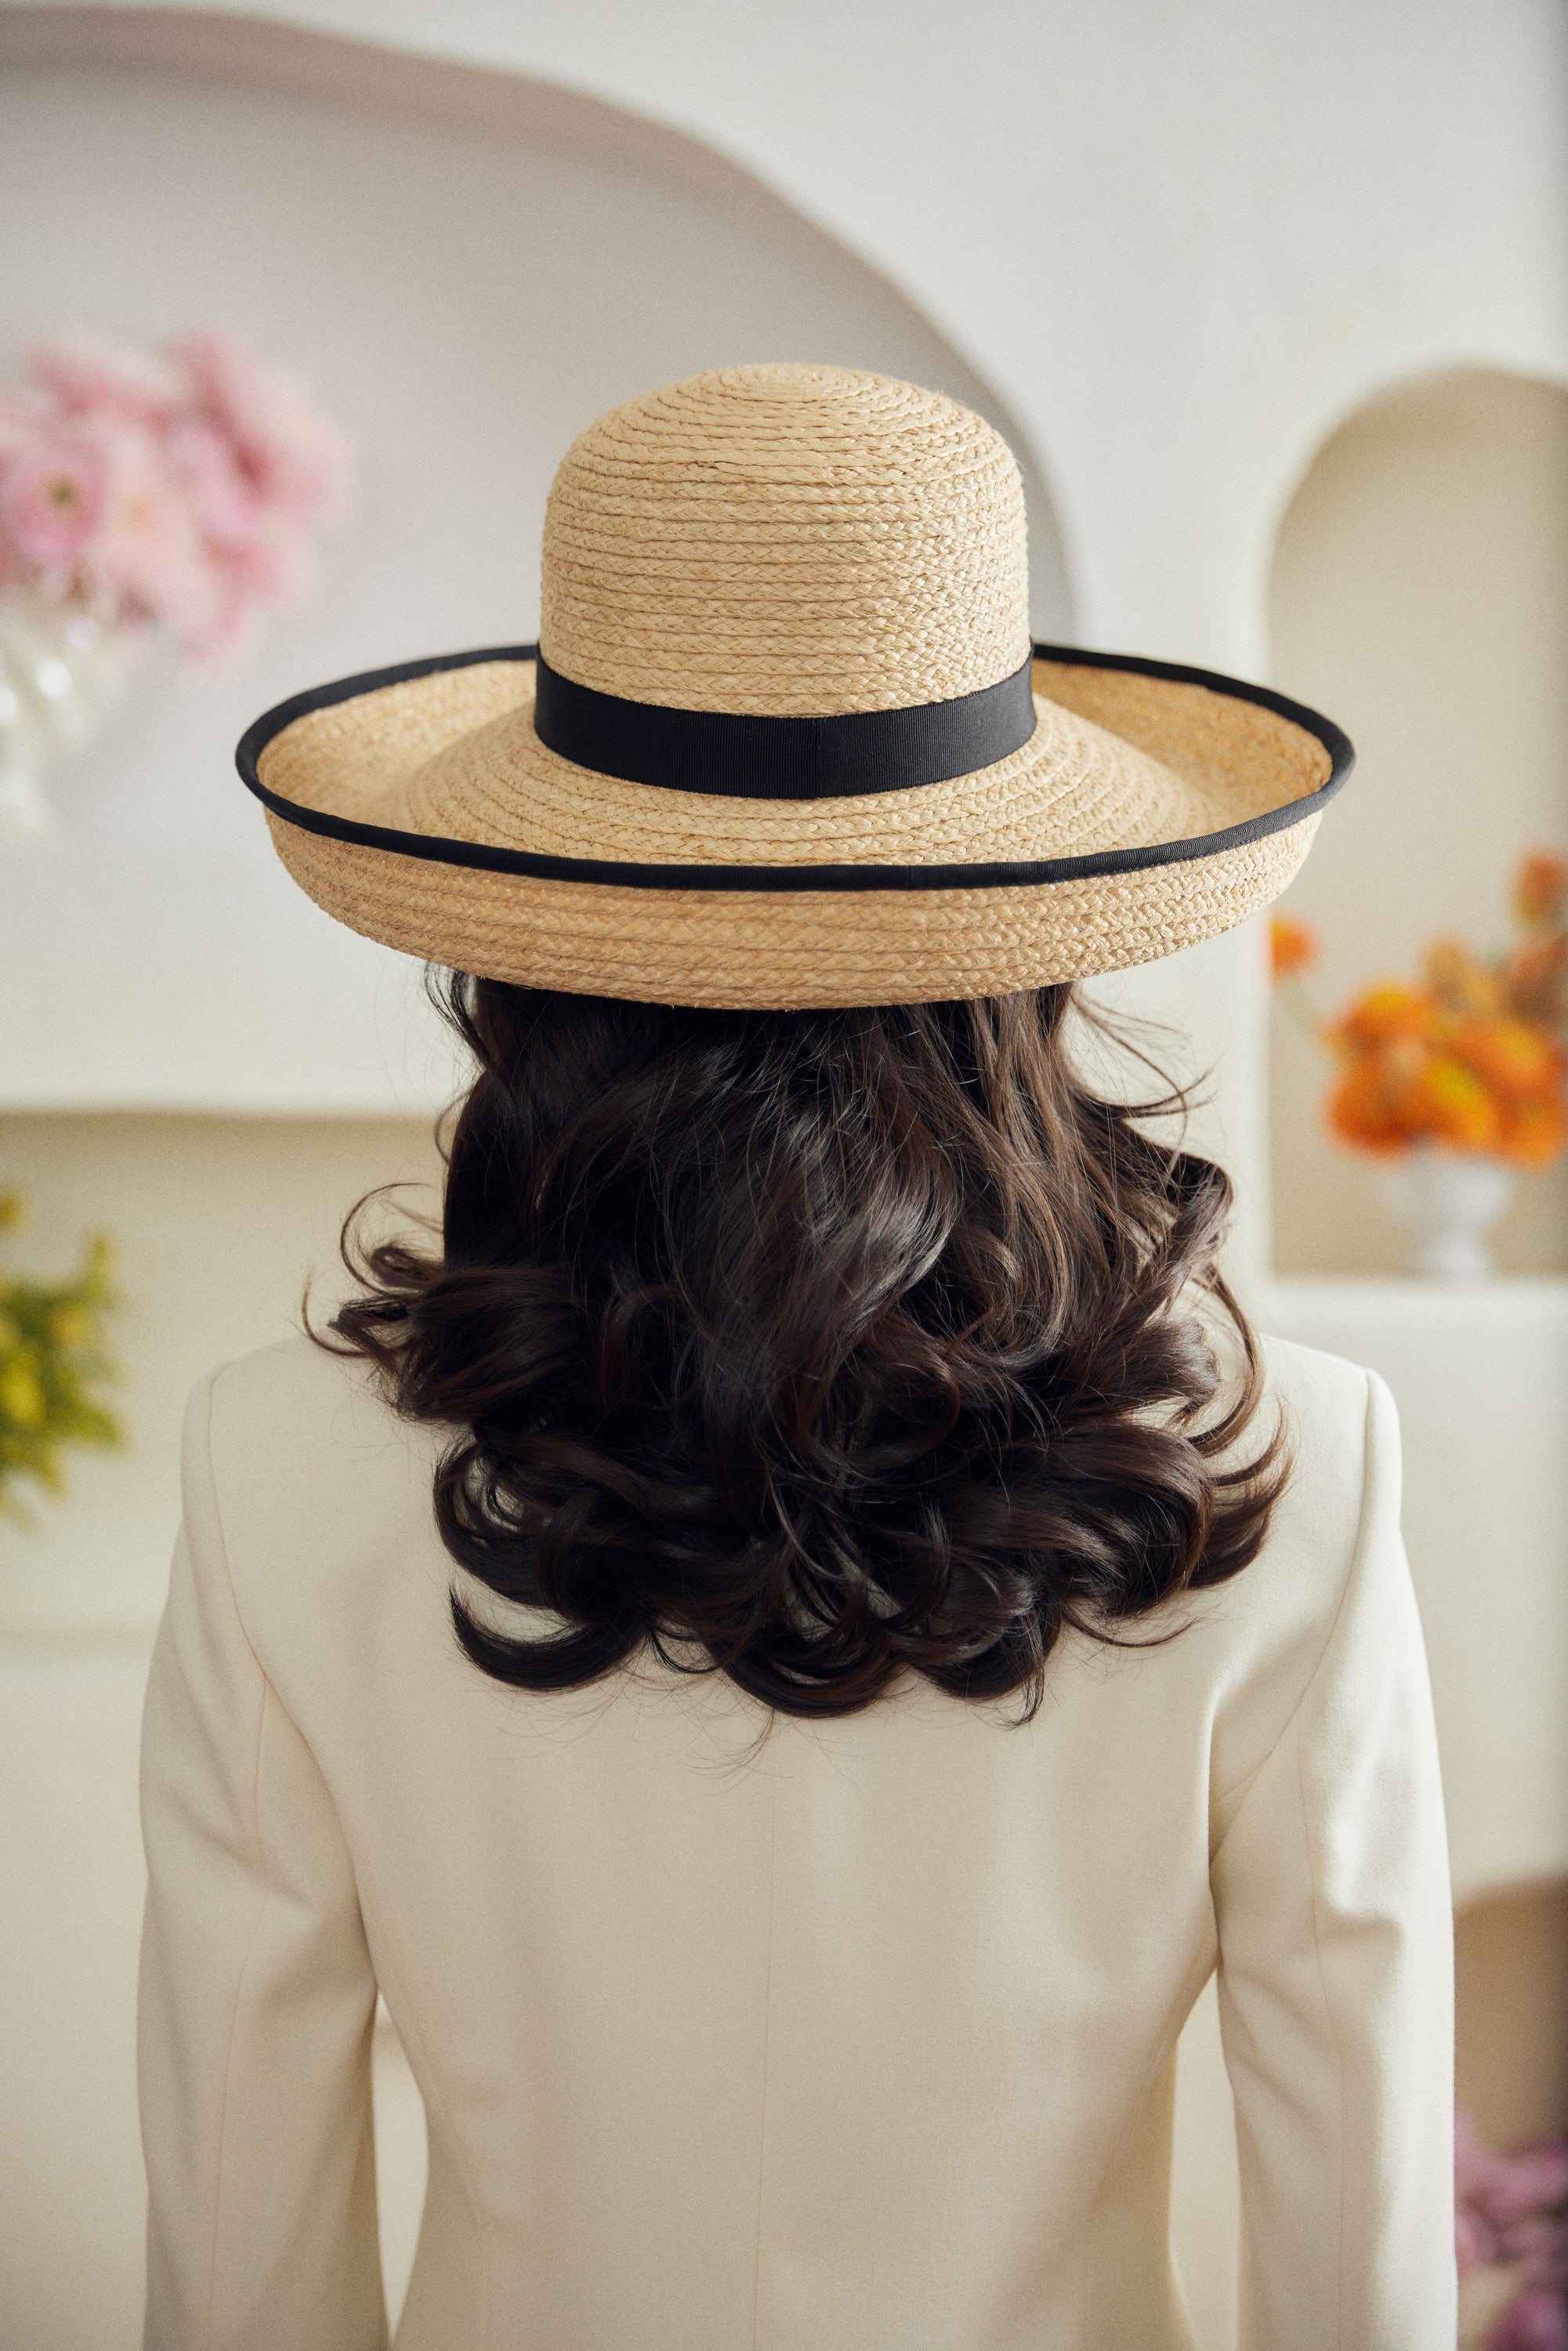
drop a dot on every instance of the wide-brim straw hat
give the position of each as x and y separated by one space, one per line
785 740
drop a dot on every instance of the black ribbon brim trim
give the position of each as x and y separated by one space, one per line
1022 873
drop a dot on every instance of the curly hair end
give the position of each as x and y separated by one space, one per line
826 1347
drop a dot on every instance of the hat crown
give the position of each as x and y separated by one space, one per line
787 542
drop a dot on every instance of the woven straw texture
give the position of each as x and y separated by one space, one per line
787 949
786 542
791 541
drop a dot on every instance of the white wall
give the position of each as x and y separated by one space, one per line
1180 243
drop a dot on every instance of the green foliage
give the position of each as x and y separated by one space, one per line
51 1362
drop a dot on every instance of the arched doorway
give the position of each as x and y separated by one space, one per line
1420 595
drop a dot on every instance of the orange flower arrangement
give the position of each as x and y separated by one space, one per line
1471 1055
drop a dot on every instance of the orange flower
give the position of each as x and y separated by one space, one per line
1364 1110
1472 1056
1534 1131
1536 981
1515 1057
1388 1011
1292 946
1540 888
1460 984
1448 1103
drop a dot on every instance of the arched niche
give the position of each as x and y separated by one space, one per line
1419 594
469 266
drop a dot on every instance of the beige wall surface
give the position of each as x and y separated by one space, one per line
1479 1372
1510 1969
1421 596
217 1223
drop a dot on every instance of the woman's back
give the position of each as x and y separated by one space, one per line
736 2030
808 1628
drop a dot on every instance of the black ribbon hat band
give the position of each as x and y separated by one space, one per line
718 752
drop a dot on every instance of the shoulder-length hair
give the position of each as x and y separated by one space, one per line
819 1347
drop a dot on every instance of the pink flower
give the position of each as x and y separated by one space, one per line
147 560
1511 2206
25 413
283 447
1475 2239
180 487
274 564
52 498
1528 2179
1539 2244
1536 2322
92 378
224 497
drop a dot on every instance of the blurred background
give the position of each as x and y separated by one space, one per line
1270 301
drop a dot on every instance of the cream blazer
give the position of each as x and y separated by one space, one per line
745 2037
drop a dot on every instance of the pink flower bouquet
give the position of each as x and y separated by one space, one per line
181 487
1511 2220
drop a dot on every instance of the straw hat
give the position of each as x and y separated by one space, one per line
784 739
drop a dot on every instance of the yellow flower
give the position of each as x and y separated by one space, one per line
1449 1102
22 1399
1516 1057
1390 1009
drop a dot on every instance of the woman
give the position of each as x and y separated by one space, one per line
794 1646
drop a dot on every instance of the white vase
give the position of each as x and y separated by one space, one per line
62 672
1448 1202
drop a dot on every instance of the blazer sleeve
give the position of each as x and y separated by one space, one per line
1335 1925
258 1996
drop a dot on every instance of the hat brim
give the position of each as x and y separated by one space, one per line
1157 806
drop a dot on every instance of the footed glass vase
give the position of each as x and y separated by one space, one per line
1448 1202
62 672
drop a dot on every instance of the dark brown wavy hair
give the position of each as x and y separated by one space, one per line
814 1348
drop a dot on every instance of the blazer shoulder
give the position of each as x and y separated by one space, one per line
310 1471
293 1389
1342 1432
1335 1522
1327 1391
